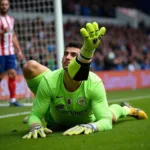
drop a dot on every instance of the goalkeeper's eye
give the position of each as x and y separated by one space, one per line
65 53
74 54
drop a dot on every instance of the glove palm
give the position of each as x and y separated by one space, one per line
92 38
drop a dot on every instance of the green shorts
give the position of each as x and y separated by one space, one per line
34 83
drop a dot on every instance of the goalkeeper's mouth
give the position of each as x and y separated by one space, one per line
66 63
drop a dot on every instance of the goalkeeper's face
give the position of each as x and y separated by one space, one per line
4 6
69 54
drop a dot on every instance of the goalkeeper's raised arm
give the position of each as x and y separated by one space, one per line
79 68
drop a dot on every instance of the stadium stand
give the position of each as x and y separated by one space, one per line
123 47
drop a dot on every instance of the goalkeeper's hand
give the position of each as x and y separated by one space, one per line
37 130
92 37
82 128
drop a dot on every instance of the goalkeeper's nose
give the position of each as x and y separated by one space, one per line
69 57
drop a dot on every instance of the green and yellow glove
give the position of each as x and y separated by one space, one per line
92 38
37 130
83 128
79 67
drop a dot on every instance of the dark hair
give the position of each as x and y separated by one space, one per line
74 44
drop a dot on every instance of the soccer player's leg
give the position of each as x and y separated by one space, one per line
134 112
126 110
117 112
2 67
11 71
33 73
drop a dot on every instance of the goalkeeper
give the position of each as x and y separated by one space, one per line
73 98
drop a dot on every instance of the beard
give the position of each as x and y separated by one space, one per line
65 68
4 12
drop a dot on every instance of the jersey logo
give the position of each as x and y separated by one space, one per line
81 101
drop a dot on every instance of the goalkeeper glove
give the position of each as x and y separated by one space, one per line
82 128
92 37
37 130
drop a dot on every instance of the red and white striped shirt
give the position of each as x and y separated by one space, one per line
6 44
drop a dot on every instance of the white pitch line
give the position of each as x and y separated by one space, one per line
30 104
16 114
7 104
129 98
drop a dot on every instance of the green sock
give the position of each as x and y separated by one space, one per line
119 111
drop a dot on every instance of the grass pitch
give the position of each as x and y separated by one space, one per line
127 134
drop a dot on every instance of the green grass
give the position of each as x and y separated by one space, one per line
129 93
10 110
127 134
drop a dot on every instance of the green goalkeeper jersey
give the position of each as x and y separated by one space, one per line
85 105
